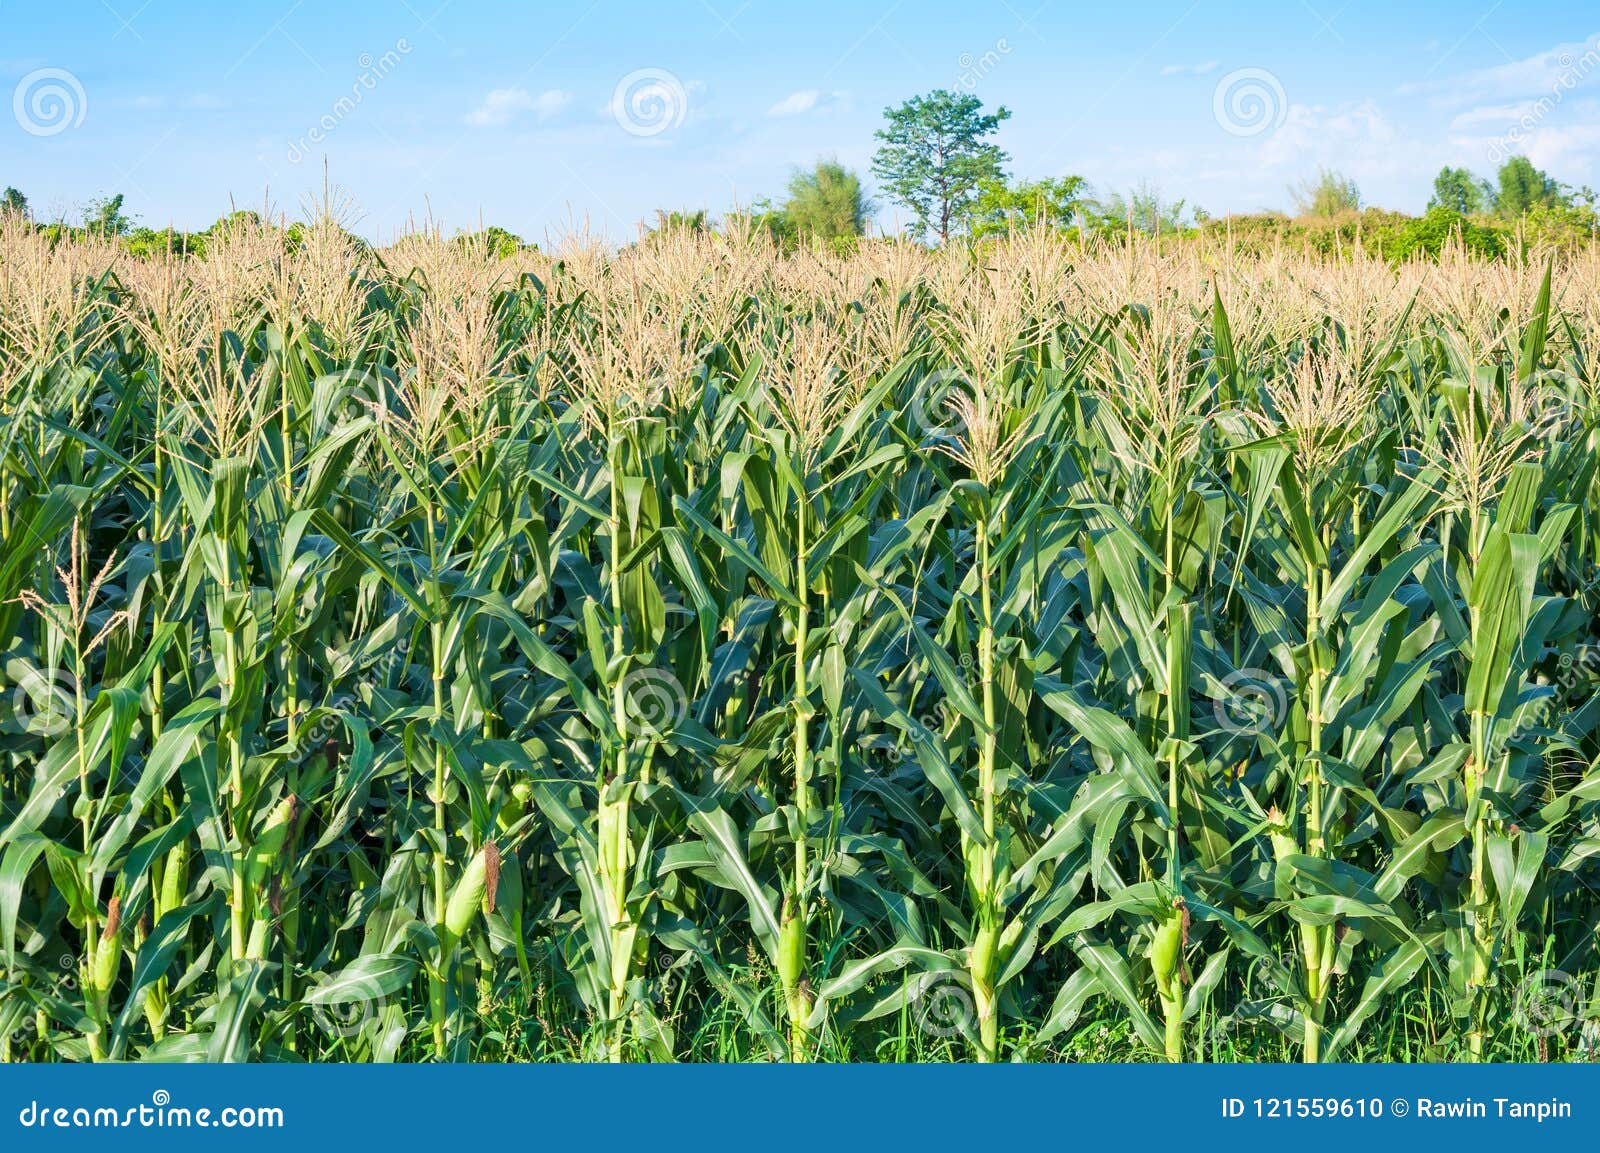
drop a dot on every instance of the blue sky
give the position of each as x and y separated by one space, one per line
539 117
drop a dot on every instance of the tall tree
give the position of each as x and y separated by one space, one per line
13 201
1524 187
827 203
1328 193
1461 192
934 155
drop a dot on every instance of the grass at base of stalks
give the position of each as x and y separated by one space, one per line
1413 1028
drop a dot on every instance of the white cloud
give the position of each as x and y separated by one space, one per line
1546 107
549 103
1493 115
796 103
1565 139
806 100
505 104
1543 106
1563 66
1190 69
1347 133
1572 149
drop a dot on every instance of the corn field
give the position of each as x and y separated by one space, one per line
691 651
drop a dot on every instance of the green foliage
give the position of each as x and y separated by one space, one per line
1462 193
1141 210
104 217
1562 226
934 155
1429 234
1327 194
14 202
691 651
496 241
1004 207
239 218
681 220
1396 236
1524 188
826 203
298 236
147 242
762 217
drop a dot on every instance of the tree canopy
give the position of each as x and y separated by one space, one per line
1002 207
1524 188
1461 192
105 217
1328 193
1141 209
826 203
935 155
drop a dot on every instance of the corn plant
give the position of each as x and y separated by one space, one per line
695 649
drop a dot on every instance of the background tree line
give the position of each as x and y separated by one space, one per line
937 163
